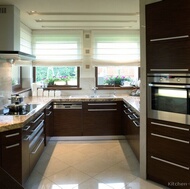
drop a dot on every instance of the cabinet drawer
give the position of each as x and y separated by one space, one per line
167 173
11 137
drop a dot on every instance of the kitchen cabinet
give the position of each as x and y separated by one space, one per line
131 128
48 122
168 35
102 118
168 150
11 155
67 119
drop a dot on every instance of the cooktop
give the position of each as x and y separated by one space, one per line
25 111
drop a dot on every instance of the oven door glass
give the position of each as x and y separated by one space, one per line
170 100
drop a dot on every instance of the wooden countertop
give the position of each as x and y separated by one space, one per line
9 122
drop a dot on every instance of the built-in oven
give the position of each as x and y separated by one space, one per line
169 97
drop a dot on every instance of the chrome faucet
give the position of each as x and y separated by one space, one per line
94 89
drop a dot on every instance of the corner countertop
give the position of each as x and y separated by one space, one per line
14 122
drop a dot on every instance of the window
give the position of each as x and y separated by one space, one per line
54 76
120 76
16 77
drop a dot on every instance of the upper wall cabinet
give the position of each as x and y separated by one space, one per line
168 36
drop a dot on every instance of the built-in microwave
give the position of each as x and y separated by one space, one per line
169 97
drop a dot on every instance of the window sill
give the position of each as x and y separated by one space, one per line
62 88
117 88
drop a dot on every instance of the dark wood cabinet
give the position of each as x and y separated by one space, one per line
48 122
131 128
168 35
67 119
101 118
168 146
11 155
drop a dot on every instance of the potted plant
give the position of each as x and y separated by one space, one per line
115 80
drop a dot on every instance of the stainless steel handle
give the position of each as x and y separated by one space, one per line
49 107
12 146
169 86
42 140
136 123
38 127
125 105
131 117
41 115
101 110
130 110
101 104
26 128
136 116
26 138
170 138
172 70
125 112
12 135
49 114
169 126
170 38
169 162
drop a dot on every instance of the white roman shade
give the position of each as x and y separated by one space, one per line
116 48
57 47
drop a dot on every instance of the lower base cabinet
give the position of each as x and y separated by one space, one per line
102 118
168 157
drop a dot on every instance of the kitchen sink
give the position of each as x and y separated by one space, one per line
103 96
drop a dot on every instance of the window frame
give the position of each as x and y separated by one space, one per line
61 87
18 86
111 87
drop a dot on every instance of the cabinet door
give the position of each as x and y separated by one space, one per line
11 160
131 129
168 35
168 146
48 123
67 122
102 118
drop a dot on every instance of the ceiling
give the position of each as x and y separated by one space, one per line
78 14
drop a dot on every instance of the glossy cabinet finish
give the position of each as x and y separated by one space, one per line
168 35
102 118
67 122
48 122
131 128
168 146
11 158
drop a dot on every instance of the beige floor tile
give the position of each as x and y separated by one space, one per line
69 177
142 184
92 184
93 166
116 176
42 184
50 167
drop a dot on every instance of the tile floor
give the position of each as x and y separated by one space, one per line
105 164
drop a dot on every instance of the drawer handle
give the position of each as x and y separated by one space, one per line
37 118
38 127
12 146
136 116
131 117
130 110
169 162
42 140
48 114
125 112
101 104
169 126
12 135
49 107
26 138
101 110
125 105
136 123
170 138
170 38
26 128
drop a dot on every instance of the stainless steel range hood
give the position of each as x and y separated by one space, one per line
10 35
